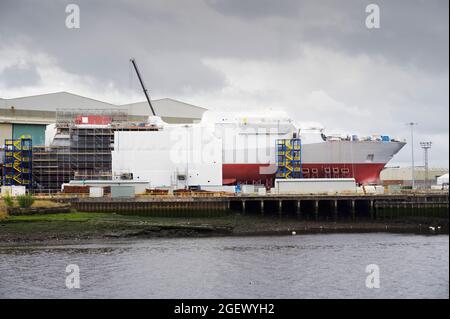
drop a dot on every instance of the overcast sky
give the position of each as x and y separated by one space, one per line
315 59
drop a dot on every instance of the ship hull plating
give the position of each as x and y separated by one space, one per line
331 159
367 173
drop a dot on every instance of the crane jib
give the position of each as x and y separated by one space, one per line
133 61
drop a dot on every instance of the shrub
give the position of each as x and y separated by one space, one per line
25 201
8 201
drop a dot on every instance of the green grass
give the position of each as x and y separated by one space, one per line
111 217
25 201
57 217
36 203
8 201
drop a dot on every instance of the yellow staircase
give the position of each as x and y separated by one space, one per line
18 161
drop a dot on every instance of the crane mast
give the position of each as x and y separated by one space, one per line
133 61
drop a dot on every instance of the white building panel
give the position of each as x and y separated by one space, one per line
315 185
162 158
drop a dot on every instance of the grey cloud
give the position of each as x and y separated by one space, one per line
411 30
108 37
256 8
177 37
20 76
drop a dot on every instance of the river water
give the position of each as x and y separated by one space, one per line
306 266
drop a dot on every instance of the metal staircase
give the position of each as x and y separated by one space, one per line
289 158
18 162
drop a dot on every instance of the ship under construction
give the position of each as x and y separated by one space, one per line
222 149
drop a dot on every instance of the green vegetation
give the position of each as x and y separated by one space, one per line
25 201
9 202
112 218
2 211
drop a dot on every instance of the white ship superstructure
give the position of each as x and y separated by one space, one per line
229 149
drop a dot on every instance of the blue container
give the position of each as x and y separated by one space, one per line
385 138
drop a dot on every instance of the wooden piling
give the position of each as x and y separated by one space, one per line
335 210
371 210
298 209
353 209
316 210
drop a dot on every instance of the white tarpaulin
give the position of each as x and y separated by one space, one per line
160 157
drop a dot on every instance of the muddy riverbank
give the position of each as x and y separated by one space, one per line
88 226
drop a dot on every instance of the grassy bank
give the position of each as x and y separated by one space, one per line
86 226
2 211
37 204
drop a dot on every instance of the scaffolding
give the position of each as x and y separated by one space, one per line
82 151
50 168
90 152
18 164
70 117
289 158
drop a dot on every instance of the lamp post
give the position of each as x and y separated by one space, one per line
426 146
412 124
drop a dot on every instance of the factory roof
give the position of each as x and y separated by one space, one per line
166 107
51 102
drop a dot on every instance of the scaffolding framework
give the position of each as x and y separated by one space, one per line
289 158
90 152
86 157
84 152
68 117
50 168
18 164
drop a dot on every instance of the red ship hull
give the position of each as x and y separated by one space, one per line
364 173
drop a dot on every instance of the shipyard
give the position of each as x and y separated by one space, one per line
97 161
104 161
224 150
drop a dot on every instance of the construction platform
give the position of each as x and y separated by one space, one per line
80 152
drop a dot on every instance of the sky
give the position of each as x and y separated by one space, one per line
317 60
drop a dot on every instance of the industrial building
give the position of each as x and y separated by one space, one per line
403 176
44 143
29 115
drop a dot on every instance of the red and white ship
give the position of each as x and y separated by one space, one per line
246 161
226 149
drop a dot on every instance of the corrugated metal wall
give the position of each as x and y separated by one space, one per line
37 132
5 132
